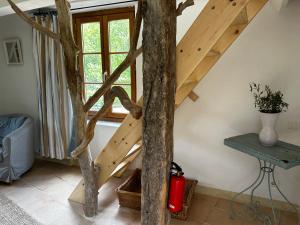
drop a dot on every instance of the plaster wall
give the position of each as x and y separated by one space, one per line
18 89
268 51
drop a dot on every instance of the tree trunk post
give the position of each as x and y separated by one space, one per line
159 86
75 85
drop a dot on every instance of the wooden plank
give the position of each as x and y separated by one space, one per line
221 46
78 196
211 24
254 7
213 53
129 133
114 156
119 170
231 34
242 18
198 74
193 96
133 153
137 147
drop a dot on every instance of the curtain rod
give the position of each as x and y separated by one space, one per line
44 11
108 4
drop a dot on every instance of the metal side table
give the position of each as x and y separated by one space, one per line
283 155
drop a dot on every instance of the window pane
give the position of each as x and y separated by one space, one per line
92 67
90 89
115 61
117 106
91 37
119 35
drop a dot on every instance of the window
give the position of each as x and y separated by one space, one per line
104 38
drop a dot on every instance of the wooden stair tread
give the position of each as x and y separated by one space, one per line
207 29
212 53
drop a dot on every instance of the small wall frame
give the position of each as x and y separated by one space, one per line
13 51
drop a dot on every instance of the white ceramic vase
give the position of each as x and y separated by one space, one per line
268 135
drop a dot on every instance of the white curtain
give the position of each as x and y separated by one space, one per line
55 112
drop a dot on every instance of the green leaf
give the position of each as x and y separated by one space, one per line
91 37
119 35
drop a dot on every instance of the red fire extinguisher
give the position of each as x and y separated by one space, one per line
177 188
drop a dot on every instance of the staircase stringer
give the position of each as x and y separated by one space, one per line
129 133
229 36
208 28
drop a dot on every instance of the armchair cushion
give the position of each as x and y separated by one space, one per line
1 155
9 124
16 146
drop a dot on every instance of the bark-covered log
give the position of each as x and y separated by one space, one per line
183 5
116 91
75 85
31 22
159 49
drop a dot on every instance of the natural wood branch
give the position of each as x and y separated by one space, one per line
112 79
31 22
183 5
75 86
71 50
159 85
129 60
119 92
134 109
193 96
137 25
132 55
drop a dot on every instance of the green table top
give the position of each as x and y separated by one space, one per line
283 154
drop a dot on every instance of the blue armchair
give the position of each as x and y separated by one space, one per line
16 146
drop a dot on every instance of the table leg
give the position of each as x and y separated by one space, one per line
253 187
270 171
263 172
254 206
281 193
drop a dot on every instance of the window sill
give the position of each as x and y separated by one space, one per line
108 124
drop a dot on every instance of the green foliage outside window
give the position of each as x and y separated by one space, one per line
119 44
92 67
91 37
90 89
115 61
119 36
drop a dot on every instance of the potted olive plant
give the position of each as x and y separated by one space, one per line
270 104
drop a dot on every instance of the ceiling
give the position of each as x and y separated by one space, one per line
35 4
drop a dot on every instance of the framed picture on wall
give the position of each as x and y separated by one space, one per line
13 51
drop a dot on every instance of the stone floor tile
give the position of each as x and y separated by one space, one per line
221 217
44 190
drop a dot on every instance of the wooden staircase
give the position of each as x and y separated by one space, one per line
215 29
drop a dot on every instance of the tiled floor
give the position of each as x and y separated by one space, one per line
44 190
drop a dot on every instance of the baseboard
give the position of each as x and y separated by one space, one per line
67 162
244 198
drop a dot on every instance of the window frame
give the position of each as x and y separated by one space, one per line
104 17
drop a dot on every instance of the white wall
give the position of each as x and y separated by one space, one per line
17 82
268 51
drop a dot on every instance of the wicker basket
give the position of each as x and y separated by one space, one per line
129 194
